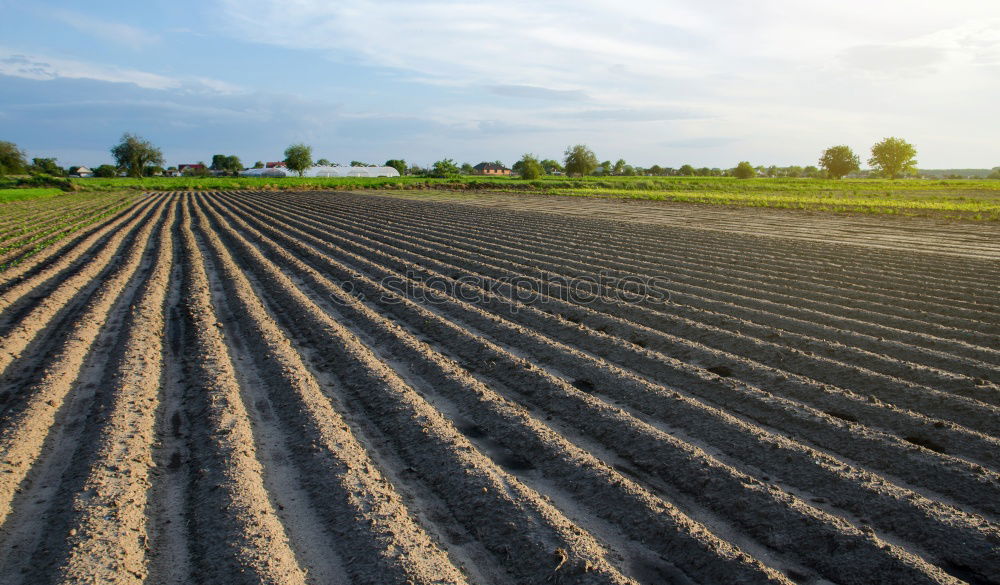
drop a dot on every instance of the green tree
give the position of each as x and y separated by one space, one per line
106 171
298 158
619 167
551 166
838 161
444 169
744 170
398 164
153 171
893 157
46 166
686 171
258 165
995 174
228 164
580 160
323 162
529 167
357 163
12 159
467 169
133 154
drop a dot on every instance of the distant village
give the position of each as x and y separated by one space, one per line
280 169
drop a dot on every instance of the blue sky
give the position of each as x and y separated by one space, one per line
654 82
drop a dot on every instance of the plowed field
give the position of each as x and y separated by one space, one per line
253 387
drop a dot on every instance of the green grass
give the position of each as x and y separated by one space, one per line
23 194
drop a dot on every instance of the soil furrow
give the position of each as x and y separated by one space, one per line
652 259
845 405
726 275
241 539
512 521
25 430
682 459
753 307
939 272
54 258
108 538
898 510
588 479
384 543
763 341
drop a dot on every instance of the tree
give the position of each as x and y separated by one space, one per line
46 166
106 171
230 164
258 165
467 169
133 154
892 157
12 159
153 171
580 160
812 172
551 166
529 167
618 168
298 157
686 171
444 169
744 170
398 164
995 174
323 162
838 161
357 163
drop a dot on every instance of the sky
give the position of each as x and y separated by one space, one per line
651 81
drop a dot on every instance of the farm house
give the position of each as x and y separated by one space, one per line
325 171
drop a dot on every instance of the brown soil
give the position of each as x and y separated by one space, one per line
315 388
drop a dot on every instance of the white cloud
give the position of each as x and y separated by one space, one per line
37 67
41 68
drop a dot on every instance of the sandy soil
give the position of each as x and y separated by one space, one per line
325 388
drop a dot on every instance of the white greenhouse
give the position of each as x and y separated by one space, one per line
323 172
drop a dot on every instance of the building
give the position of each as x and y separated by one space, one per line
196 167
276 165
83 173
485 168
324 171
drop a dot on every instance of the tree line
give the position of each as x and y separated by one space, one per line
134 156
